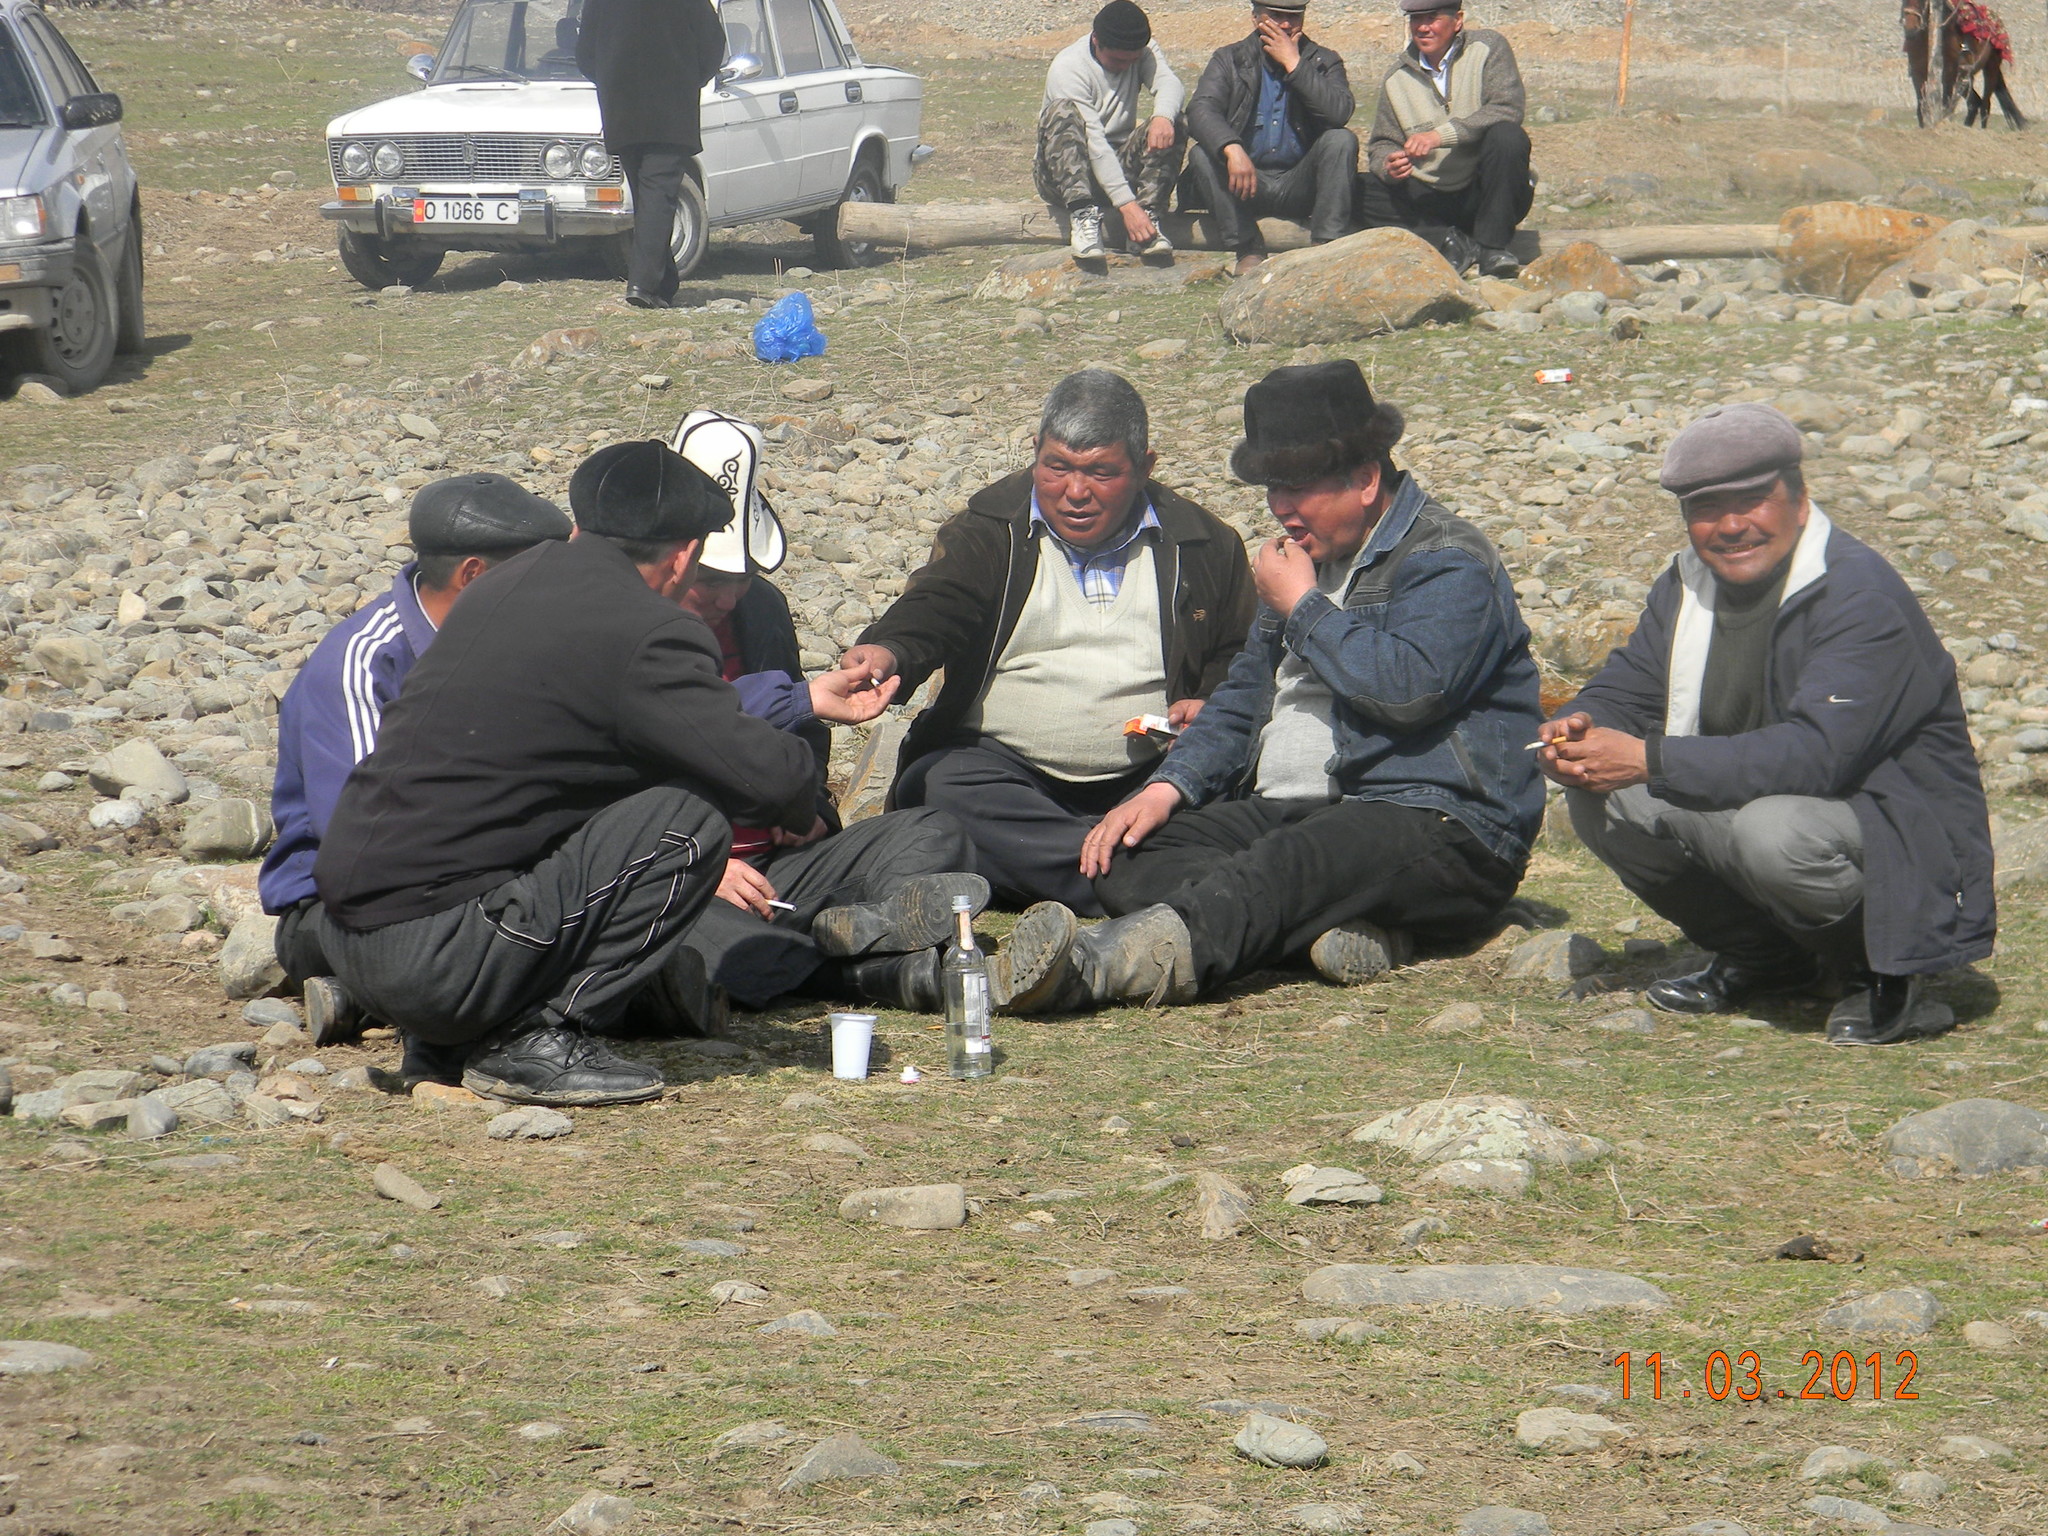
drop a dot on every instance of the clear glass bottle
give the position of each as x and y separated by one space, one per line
969 1052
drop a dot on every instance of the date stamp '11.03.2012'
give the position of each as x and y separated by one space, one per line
1840 1377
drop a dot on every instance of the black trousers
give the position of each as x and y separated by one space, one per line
1489 207
655 173
568 942
757 961
1027 827
1318 188
297 943
1258 880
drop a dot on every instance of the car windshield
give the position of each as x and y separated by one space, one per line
20 107
511 40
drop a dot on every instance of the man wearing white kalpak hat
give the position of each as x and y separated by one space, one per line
853 913
1778 760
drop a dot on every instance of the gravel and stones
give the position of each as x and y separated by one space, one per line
1544 1289
1972 1137
31 1357
1484 1125
1307 1184
839 1459
1274 1442
1565 1432
1909 1313
914 1207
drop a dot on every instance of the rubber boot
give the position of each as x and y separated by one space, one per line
908 983
1144 958
917 915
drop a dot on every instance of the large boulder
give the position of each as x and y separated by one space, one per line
1962 249
1971 1137
1835 249
1367 284
1804 173
1480 1125
1581 267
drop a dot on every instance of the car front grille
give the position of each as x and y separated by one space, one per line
470 157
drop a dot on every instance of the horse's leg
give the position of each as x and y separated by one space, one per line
1916 71
1994 79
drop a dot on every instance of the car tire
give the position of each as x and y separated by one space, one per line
863 186
77 347
688 241
132 335
377 263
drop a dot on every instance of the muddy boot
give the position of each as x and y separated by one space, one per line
1145 958
331 1014
1030 966
918 915
1354 953
907 983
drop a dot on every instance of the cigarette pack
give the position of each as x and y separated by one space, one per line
1150 725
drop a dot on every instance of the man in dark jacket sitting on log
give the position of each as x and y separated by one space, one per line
1268 122
1778 760
1069 600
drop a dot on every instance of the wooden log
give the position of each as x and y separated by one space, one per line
939 226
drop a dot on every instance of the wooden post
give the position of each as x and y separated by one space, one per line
1628 28
1785 79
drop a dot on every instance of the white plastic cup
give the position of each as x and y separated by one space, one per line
853 1038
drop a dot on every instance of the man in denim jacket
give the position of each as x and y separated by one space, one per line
1359 778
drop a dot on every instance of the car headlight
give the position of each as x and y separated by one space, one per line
355 162
558 160
21 218
390 163
595 162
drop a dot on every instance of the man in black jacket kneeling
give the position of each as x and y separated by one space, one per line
546 811
1778 760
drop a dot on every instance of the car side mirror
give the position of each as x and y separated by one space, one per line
420 66
97 110
741 66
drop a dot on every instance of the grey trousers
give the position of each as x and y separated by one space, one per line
1796 859
568 942
757 961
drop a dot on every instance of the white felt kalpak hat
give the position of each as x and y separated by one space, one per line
729 451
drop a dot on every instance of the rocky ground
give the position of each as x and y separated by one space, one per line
1479 1248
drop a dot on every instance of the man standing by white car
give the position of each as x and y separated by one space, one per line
650 60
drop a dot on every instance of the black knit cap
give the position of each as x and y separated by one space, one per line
1307 423
1122 26
646 492
481 515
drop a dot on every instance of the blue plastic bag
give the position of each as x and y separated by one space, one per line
788 332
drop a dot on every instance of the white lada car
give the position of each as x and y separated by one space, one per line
502 150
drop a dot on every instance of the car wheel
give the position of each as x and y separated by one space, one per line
687 241
378 263
132 335
863 186
77 347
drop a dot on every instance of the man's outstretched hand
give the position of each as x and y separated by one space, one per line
1126 826
1581 755
851 696
876 662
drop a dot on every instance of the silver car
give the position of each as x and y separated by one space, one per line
70 215
503 152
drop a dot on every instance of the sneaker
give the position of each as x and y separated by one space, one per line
1355 953
1887 1011
426 1063
331 1014
1155 249
1084 239
1494 262
550 1064
918 915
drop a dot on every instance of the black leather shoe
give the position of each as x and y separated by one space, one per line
918 915
640 298
1725 983
547 1064
909 983
331 1014
1494 262
426 1063
1459 249
1890 1009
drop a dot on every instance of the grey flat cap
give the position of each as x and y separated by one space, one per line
479 514
1731 448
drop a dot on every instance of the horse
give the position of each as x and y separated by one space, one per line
1972 42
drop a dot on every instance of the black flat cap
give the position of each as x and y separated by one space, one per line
481 514
648 492
1729 449
1424 7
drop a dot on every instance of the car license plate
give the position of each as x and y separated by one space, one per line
465 210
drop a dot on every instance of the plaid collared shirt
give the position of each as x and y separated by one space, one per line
1099 571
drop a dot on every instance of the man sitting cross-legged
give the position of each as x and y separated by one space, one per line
1359 775
1067 600
1778 760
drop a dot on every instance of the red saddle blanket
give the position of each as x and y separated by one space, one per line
1982 23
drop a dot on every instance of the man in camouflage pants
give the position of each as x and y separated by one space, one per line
1093 149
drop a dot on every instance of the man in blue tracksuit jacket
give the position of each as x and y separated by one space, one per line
1778 760
327 723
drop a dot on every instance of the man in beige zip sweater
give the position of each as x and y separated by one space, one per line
1448 157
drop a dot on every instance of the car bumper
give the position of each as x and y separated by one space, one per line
542 218
29 279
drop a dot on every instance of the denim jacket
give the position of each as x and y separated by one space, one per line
1435 689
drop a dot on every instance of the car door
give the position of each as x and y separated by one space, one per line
827 94
95 151
753 153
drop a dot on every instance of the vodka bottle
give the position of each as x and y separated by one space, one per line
968 1051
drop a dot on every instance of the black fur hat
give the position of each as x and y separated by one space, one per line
1309 423
646 491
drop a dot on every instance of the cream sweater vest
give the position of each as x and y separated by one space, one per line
1073 673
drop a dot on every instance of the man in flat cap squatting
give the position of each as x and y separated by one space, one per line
1448 156
328 720
1778 760
1094 152
1357 781
1268 120
548 806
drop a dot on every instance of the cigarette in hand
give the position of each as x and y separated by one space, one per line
783 906
1534 745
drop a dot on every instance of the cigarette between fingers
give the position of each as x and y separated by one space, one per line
1534 745
784 906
